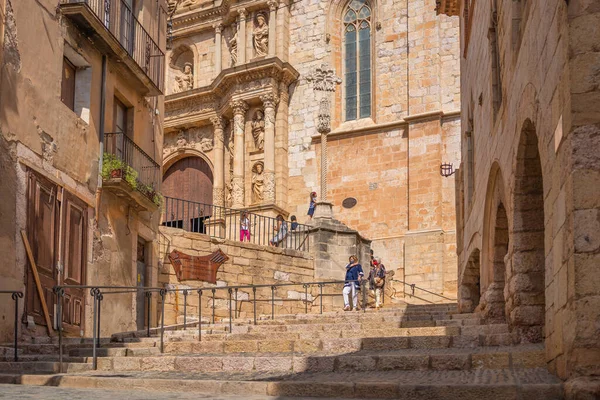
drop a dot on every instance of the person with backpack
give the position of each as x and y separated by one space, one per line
377 280
354 274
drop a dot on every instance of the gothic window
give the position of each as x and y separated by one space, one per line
357 60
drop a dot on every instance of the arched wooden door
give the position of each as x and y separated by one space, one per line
188 188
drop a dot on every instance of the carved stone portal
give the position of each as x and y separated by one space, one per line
258 129
261 35
258 182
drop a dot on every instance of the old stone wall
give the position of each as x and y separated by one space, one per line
248 264
40 133
536 162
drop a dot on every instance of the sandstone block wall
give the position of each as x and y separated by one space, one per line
248 264
535 154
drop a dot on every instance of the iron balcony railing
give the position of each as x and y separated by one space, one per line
117 17
126 160
225 223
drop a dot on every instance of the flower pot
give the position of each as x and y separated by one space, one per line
116 173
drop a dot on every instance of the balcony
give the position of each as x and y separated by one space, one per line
130 173
116 32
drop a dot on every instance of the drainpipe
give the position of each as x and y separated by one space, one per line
101 134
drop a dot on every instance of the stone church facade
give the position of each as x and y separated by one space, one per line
241 102
529 201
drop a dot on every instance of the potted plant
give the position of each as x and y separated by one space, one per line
112 167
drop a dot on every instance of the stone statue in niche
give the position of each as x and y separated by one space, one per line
261 36
185 80
258 182
258 129
228 191
233 45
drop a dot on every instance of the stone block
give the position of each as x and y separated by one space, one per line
429 342
238 364
496 360
313 364
126 364
158 364
355 363
307 345
275 346
240 346
198 364
403 362
388 343
273 364
450 361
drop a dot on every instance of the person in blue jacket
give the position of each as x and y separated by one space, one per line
354 274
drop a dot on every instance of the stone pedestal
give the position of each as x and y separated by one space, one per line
332 243
323 210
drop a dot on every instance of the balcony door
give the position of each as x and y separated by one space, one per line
127 26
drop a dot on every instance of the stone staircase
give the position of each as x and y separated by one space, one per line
404 352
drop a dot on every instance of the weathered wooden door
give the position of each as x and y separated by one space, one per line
74 260
42 233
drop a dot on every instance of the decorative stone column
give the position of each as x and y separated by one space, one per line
269 104
219 185
272 27
239 121
241 40
218 56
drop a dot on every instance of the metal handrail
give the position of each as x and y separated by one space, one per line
16 295
118 19
98 292
224 223
413 287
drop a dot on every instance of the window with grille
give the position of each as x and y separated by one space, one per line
357 60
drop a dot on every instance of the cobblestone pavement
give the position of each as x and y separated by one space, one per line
20 392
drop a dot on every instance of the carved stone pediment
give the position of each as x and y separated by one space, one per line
253 80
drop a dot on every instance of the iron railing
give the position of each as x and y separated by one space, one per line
98 293
16 295
118 19
412 287
224 223
131 163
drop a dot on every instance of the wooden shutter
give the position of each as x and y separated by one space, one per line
68 84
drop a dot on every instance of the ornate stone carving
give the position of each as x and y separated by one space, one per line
233 46
218 197
181 139
324 119
269 182
269 100
272 5
229 192
239 107
185 80
258 129
258 182
237 192
218 27
219 126
261 35
323 78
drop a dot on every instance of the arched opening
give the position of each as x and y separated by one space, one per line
470 284
188 190
495 250
526 298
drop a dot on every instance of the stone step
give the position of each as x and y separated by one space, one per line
42 367
384 360
34 349
505 384
116 352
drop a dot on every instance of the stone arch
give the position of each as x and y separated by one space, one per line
495 250
526 280
183 54
470 284
177 155
189 178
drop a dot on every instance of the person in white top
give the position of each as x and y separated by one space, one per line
244 227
